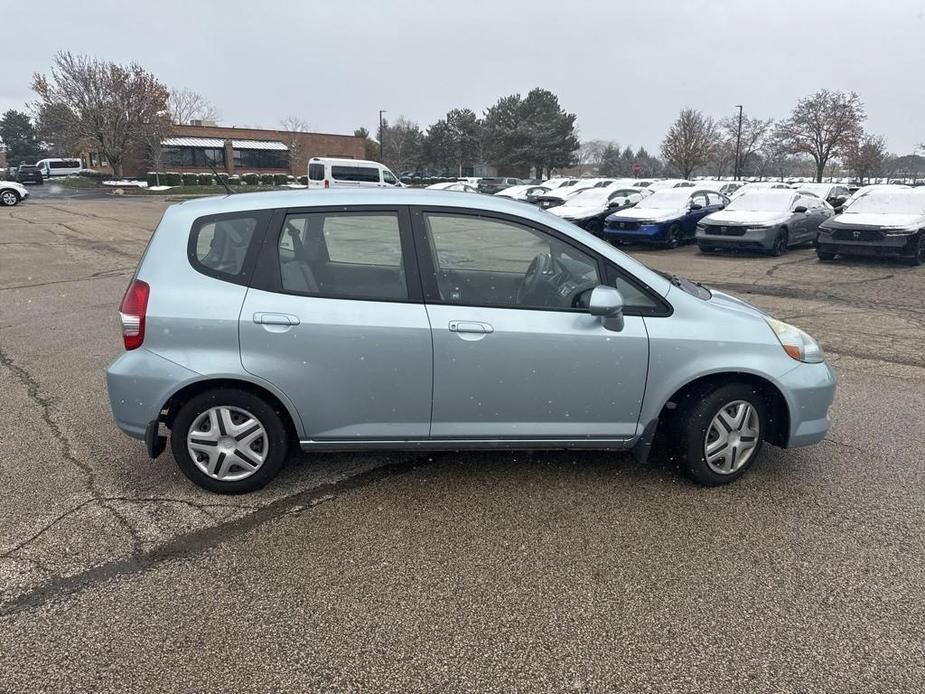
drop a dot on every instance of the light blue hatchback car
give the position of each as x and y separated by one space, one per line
424 320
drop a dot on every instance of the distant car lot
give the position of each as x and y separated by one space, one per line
480 565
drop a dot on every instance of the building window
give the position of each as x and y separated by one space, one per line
193 156
261 159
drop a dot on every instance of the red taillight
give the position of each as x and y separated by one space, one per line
327 183
132 313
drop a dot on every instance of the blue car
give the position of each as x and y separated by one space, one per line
666 218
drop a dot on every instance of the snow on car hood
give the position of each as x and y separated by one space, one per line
641 214
887 220
745 217
576 212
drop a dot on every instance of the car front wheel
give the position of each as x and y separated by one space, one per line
918 251
781 241
673 236
229 441
9 198
719 434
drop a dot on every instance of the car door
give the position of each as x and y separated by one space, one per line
510 360
334 319
694 216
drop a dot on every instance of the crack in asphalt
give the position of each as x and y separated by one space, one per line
101 275
199 541
34 392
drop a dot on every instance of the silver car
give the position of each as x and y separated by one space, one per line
424 320
770 220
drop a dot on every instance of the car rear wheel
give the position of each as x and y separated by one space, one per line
825 256
707 249
9 198
673 237
720 433
781 241
229 441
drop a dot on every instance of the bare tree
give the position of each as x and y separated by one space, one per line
116 108
752 137
290 128
824 125
402 144
590 153
866 159
689 141
185 105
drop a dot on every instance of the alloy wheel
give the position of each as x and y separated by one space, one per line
732 437
227 443
8 197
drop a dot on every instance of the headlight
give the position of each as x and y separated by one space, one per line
796 343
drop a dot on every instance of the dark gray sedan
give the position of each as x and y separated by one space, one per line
769 220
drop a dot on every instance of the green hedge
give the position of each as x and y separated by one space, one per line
234 180
280 179
171 178
250 179
190 179
205 179
266 179
151 178
303 180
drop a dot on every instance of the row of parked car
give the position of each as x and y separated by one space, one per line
765 216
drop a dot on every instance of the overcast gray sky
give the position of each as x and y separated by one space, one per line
626 68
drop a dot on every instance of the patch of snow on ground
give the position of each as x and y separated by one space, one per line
126 183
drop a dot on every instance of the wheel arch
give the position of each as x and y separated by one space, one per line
278 402
777 406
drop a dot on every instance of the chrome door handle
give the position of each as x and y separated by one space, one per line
461 326
275 319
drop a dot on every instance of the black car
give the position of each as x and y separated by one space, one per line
29 173
880 223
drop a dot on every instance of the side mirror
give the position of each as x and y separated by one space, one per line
799 209
607 303
618 202
695 206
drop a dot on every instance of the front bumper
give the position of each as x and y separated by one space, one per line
645 233
889 245
758 239
809 390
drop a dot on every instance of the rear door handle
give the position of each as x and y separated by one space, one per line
462 326
275 319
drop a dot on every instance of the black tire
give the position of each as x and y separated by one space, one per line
9 197
277 439
707 249
918 257
825 256
781 241
693 420
673 236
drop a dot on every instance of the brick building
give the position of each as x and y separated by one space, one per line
192 148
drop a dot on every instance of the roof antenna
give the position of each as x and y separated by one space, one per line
219 179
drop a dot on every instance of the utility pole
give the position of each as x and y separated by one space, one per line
381 138
738 142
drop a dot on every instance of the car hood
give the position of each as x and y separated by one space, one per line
636 214
576 212
745 217
884 220
730 302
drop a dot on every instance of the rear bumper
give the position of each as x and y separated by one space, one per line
753 239
809 390
139 383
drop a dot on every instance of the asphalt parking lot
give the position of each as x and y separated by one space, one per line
495 571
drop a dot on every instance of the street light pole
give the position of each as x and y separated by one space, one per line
381 138
738 142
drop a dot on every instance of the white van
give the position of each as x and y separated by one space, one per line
59 167
326 172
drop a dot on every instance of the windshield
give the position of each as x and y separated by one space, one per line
762 202
889 202
588 198
671 199
819 189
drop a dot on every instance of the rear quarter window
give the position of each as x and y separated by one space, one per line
224 246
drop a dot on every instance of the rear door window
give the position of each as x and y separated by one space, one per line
316 172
